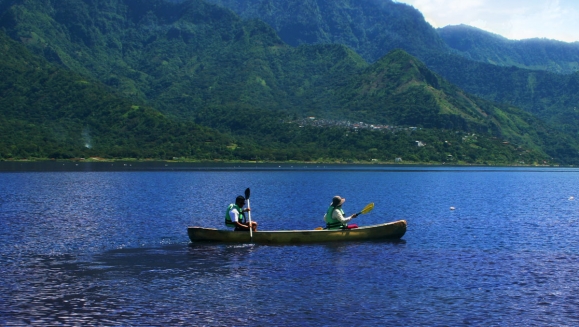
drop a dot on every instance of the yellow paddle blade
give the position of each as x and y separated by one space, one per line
368 208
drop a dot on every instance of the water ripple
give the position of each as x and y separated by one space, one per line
110 248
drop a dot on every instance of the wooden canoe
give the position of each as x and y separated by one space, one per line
392 231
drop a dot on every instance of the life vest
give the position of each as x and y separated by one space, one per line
228 221
332 223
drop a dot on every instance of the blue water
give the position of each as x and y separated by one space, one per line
107 245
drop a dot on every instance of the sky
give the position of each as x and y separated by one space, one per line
513 19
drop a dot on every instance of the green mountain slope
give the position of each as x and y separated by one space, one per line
140 47
403 91
536 54
372 28
400 90
552 97
153 50
179 57
49 112
386 25
196 61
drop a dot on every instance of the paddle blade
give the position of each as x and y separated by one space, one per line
368 208
247 193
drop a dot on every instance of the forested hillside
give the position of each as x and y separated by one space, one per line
190 63
552 97
371 28
537 54
469 62
49 112
182 57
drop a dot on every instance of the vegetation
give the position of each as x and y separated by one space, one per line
547 95
154 79
536 54
371 28
474 60
49 112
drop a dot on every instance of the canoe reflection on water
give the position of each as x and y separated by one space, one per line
393 230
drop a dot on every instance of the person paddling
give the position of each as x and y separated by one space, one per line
334 216
234 216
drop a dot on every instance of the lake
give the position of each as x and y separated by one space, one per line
106 244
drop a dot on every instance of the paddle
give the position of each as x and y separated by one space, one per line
247 193
366 209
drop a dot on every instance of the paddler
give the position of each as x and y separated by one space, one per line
334 216
235 217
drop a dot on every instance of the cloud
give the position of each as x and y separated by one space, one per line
513 19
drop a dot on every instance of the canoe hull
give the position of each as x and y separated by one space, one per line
392 231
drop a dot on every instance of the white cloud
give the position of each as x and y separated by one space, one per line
513 19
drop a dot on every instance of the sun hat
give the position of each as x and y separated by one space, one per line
338 201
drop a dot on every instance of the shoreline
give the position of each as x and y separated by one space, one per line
210 163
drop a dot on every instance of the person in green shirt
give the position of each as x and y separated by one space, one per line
235 217
335 216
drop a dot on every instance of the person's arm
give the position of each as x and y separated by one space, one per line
338 216
235 217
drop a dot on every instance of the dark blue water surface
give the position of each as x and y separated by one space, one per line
107 245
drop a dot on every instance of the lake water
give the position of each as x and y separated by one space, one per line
106 244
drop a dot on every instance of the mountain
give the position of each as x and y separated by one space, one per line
372 28
403 91
50 112
187 56
551 97
180 57
536 54
194 61
476 61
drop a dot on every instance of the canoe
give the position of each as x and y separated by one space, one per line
387 231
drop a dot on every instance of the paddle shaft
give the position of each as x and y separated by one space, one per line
250 225
247 194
